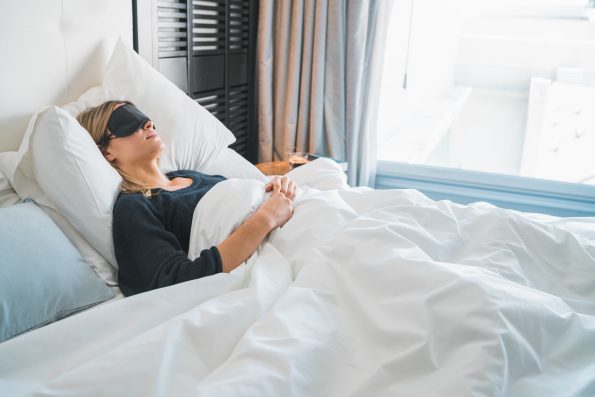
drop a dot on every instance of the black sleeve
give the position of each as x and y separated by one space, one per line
148 255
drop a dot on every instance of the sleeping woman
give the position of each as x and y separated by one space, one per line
152 216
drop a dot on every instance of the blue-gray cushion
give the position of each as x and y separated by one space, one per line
42 275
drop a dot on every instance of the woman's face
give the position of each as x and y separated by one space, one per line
144 145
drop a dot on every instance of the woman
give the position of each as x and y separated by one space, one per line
153 213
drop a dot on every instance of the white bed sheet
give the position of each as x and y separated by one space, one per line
361 293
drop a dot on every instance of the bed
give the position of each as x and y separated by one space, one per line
362 293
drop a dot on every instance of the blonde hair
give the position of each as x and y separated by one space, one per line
95 120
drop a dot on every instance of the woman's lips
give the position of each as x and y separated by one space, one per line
151 136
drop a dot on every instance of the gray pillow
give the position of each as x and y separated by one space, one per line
42 275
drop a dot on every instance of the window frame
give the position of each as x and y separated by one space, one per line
506 191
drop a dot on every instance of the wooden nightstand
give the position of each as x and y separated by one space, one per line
274 167
282 167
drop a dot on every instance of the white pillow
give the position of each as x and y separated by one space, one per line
231 165
76 178
94 96
193 137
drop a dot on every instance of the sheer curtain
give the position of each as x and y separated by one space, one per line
319 64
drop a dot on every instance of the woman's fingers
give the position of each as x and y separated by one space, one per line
275 185
291 187
271 185
283 185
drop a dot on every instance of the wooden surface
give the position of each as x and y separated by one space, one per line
274 167
283 167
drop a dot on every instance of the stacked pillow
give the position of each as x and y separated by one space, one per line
43 277
60 166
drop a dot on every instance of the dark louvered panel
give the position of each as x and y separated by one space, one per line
214 102
208 26
207 48
207 73
239 117
223 35
239 25
172 22
241 145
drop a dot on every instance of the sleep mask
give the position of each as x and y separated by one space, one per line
126 120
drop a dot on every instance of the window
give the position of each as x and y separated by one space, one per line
503 87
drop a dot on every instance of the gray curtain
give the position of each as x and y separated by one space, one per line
319 63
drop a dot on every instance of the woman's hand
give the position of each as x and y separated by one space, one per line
284 185
242 243
276 210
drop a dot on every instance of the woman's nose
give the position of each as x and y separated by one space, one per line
149 125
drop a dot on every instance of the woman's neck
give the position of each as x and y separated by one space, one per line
150 174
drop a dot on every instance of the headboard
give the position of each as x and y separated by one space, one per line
51 51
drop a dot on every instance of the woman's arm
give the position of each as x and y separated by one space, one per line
238 247
148 255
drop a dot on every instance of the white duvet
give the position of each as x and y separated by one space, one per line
361 293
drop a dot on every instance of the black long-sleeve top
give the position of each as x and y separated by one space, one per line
152 235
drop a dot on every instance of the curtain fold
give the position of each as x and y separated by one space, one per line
319 63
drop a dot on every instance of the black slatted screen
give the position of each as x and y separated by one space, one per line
239 29
239 116
172 25
214 102
216 40
208 26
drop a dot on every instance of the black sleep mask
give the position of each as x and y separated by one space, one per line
126 120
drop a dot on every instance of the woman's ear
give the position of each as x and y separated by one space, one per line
109 156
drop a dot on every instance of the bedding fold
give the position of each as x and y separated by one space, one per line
361 293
